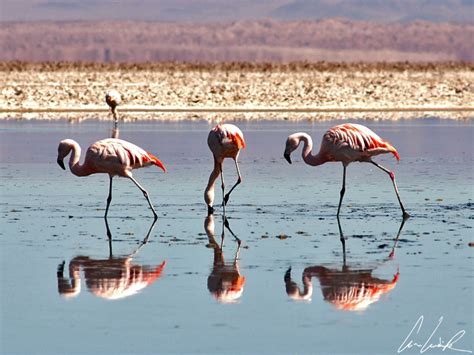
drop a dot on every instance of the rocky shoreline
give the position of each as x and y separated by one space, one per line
29 87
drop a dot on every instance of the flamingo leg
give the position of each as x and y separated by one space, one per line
226 224
392 252
223 186
145 193
109 199
343 241
222 234
145 240
392 177
343 190
239 180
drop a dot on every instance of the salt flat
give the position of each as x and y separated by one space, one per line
65 86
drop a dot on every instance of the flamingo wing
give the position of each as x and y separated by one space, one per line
359 139
353 290
230 133
115 155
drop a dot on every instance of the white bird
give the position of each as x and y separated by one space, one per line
113 99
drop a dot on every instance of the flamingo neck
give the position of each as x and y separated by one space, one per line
70 287
76 168
294 291
209 193
308 157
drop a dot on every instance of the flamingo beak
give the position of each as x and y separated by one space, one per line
61 163
287 157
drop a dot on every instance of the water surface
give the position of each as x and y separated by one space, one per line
64 289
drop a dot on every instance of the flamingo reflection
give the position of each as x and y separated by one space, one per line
348 289
112 278
225 282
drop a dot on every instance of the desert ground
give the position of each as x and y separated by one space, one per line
76 91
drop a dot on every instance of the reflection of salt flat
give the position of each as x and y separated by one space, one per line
245 109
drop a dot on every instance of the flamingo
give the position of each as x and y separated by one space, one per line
225 282
224 141
345 143
347 288
112 278
112 156
113 99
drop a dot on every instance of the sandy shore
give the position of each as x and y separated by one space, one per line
147 89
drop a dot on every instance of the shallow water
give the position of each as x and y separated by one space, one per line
58 277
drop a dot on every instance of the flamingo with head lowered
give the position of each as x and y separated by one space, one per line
346 143
224 141
111 156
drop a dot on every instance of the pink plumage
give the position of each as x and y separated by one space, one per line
118 157
229 134
363 141
224 141
109 156
345 143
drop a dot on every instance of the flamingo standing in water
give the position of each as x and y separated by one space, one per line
224 141
113 99
345 143
111 156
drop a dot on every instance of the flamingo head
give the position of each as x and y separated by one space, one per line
113 99
64 148
291 145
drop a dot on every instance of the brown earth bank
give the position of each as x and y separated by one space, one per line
233 66
149 87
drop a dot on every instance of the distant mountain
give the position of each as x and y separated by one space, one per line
258 41
236 10
379 10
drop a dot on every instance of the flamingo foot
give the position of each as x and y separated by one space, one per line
405 215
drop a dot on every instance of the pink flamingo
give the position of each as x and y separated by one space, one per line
225 282
345 143
112 156
112 278
224 141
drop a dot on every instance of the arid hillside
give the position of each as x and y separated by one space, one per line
262 41
237 10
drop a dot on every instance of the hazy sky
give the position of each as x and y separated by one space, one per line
225 10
